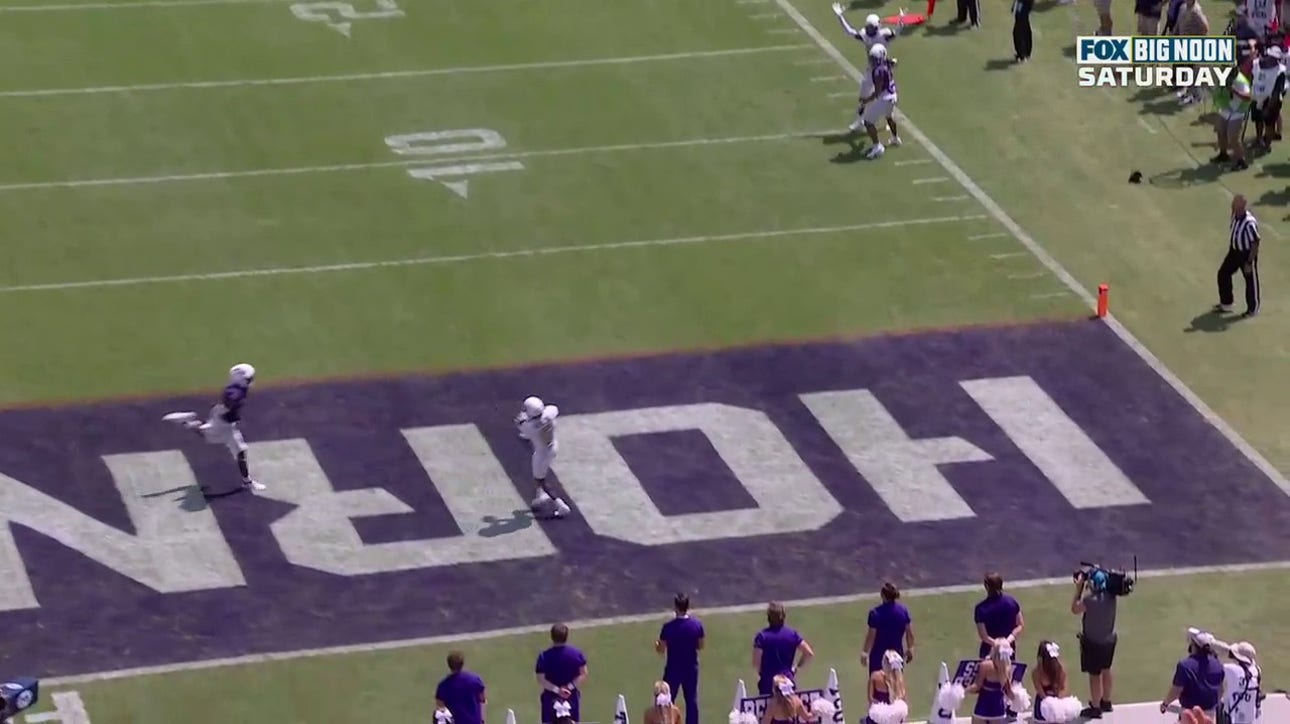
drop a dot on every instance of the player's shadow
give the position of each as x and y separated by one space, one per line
1069 51
855 143
1164 107
1275 198
191 499
519 520
944 30
1144 95
1187 177
1000 64
1274 170
865 4
1212 321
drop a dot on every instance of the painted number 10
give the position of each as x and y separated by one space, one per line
338 15
438 143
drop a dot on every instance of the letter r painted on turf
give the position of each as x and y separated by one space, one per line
320 533
615 504
174 549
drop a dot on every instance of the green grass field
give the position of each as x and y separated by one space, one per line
186 180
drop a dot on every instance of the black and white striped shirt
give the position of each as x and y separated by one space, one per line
1245 232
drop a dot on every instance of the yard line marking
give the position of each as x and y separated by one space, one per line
125 5
1143 122
1051 295
487 256
813 61
1009 255
395 74
843 94
913 161
1034 275
766 16
951 198
1047 260
827 78
654 617
751 2
404 162
935 180
978 237
784 31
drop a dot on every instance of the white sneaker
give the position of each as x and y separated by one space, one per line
895 141
541 500
876 151
180 418
856 125
254 485
561 508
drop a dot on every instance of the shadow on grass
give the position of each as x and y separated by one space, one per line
1000 64
941 31
1212 321
1187 177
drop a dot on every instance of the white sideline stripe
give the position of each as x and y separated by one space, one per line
128 5
936 180
421 161
599 623
950 198
1048 261
913 161
397 74
462 258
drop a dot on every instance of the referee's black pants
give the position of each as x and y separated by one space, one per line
969 9
1249 268
1023 41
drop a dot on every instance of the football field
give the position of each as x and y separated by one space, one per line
784 371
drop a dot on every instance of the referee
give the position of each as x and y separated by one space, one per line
1243 255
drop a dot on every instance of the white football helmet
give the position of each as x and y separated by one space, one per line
873 21
533 407
243 373
878 52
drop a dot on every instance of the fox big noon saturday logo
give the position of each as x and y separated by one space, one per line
1155 61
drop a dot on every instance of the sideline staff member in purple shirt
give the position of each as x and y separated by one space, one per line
681 640
774 649
998 616
890 629
461 692
560 671
1198 678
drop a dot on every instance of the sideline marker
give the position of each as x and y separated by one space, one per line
1103 300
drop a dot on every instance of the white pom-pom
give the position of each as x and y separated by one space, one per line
950 696
1019 696
823 708
736 717
748 719
893 713
1060 710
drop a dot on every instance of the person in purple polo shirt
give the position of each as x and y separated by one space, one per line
998 617
560 672
461 692
681 640
1198 677
890 629
774 649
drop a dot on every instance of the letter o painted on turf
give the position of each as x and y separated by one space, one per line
615 504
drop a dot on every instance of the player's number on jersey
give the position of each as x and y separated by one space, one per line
339 16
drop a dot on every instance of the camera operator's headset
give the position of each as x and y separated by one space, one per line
1099 579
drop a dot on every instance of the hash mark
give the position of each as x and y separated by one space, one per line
935 180
976 237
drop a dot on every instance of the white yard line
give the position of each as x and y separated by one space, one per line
1032 275
783 31
813 61
657 616
935 180
766 16
1050 295
978 237
400 74
827 78
487 256
950 198
1047 259
843 94
404 162
60 7
1010 255
1146 126
913 161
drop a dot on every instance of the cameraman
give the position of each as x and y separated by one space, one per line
1096 604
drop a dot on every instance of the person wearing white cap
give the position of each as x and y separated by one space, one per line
536 423
1198 677
1268 88
1242 684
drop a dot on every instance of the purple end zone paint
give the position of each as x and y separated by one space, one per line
91 618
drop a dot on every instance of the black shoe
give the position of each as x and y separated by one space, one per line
1106 707
1240 165
1221 308
1220 158
1091 712
1251 313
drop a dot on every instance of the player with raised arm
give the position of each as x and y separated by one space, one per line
222 425
873 32
536 423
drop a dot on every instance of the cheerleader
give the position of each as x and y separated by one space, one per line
664 710
887 704
786 707
1053 702
994 687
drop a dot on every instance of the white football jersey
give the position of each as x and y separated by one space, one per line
540 430
1261 13
883 36
1241 700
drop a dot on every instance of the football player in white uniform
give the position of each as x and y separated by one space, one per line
536 423
221 426
873 32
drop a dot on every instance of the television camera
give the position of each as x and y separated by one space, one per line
17 695
1116 582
